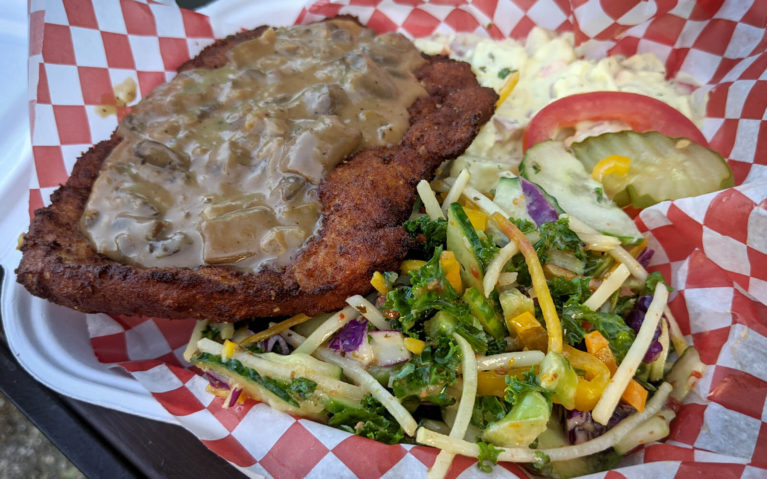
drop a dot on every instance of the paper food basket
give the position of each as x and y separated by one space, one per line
712 248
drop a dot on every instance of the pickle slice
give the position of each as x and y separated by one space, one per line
662 168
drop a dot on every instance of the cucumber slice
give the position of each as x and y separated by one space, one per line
662 168
509 196
525 422
485 312
654 429
560 174
463 241
514 302
685 373
525 200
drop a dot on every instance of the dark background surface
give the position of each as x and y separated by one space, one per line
99 442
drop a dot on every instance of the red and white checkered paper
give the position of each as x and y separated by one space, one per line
713 247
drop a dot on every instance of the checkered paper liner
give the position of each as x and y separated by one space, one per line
713 248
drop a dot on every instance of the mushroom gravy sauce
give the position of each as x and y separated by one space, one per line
221 166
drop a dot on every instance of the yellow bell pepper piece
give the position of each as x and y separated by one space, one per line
541 288
493 383
414 345
478 218
611 165
507 88
379 283
490 383
593 383
452 270
228 350
411 265
528 330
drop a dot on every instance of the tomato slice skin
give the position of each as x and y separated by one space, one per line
642 113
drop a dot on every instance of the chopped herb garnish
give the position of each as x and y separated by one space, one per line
600 193
504 72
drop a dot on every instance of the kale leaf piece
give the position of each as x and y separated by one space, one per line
568 296
427 376
653 279
557 235
612 327
488 455
529 382
487 251
302 387
615 329
429 290
553 235
488 409
370 420
427 233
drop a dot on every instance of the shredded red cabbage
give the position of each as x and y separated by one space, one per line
216 381
581 427
538 206
232 399
634 321
645 256
349 338
276 344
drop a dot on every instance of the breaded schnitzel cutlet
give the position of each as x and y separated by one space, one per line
364 201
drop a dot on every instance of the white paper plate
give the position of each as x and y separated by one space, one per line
49 341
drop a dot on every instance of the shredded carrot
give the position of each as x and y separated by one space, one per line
635 395
276 329
595 341
598 345
553 326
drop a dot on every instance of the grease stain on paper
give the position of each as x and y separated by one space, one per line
124 93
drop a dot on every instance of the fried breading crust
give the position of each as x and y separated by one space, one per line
364 202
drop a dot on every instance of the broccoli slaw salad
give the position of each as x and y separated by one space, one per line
523 326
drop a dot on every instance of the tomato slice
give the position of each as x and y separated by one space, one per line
642 113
